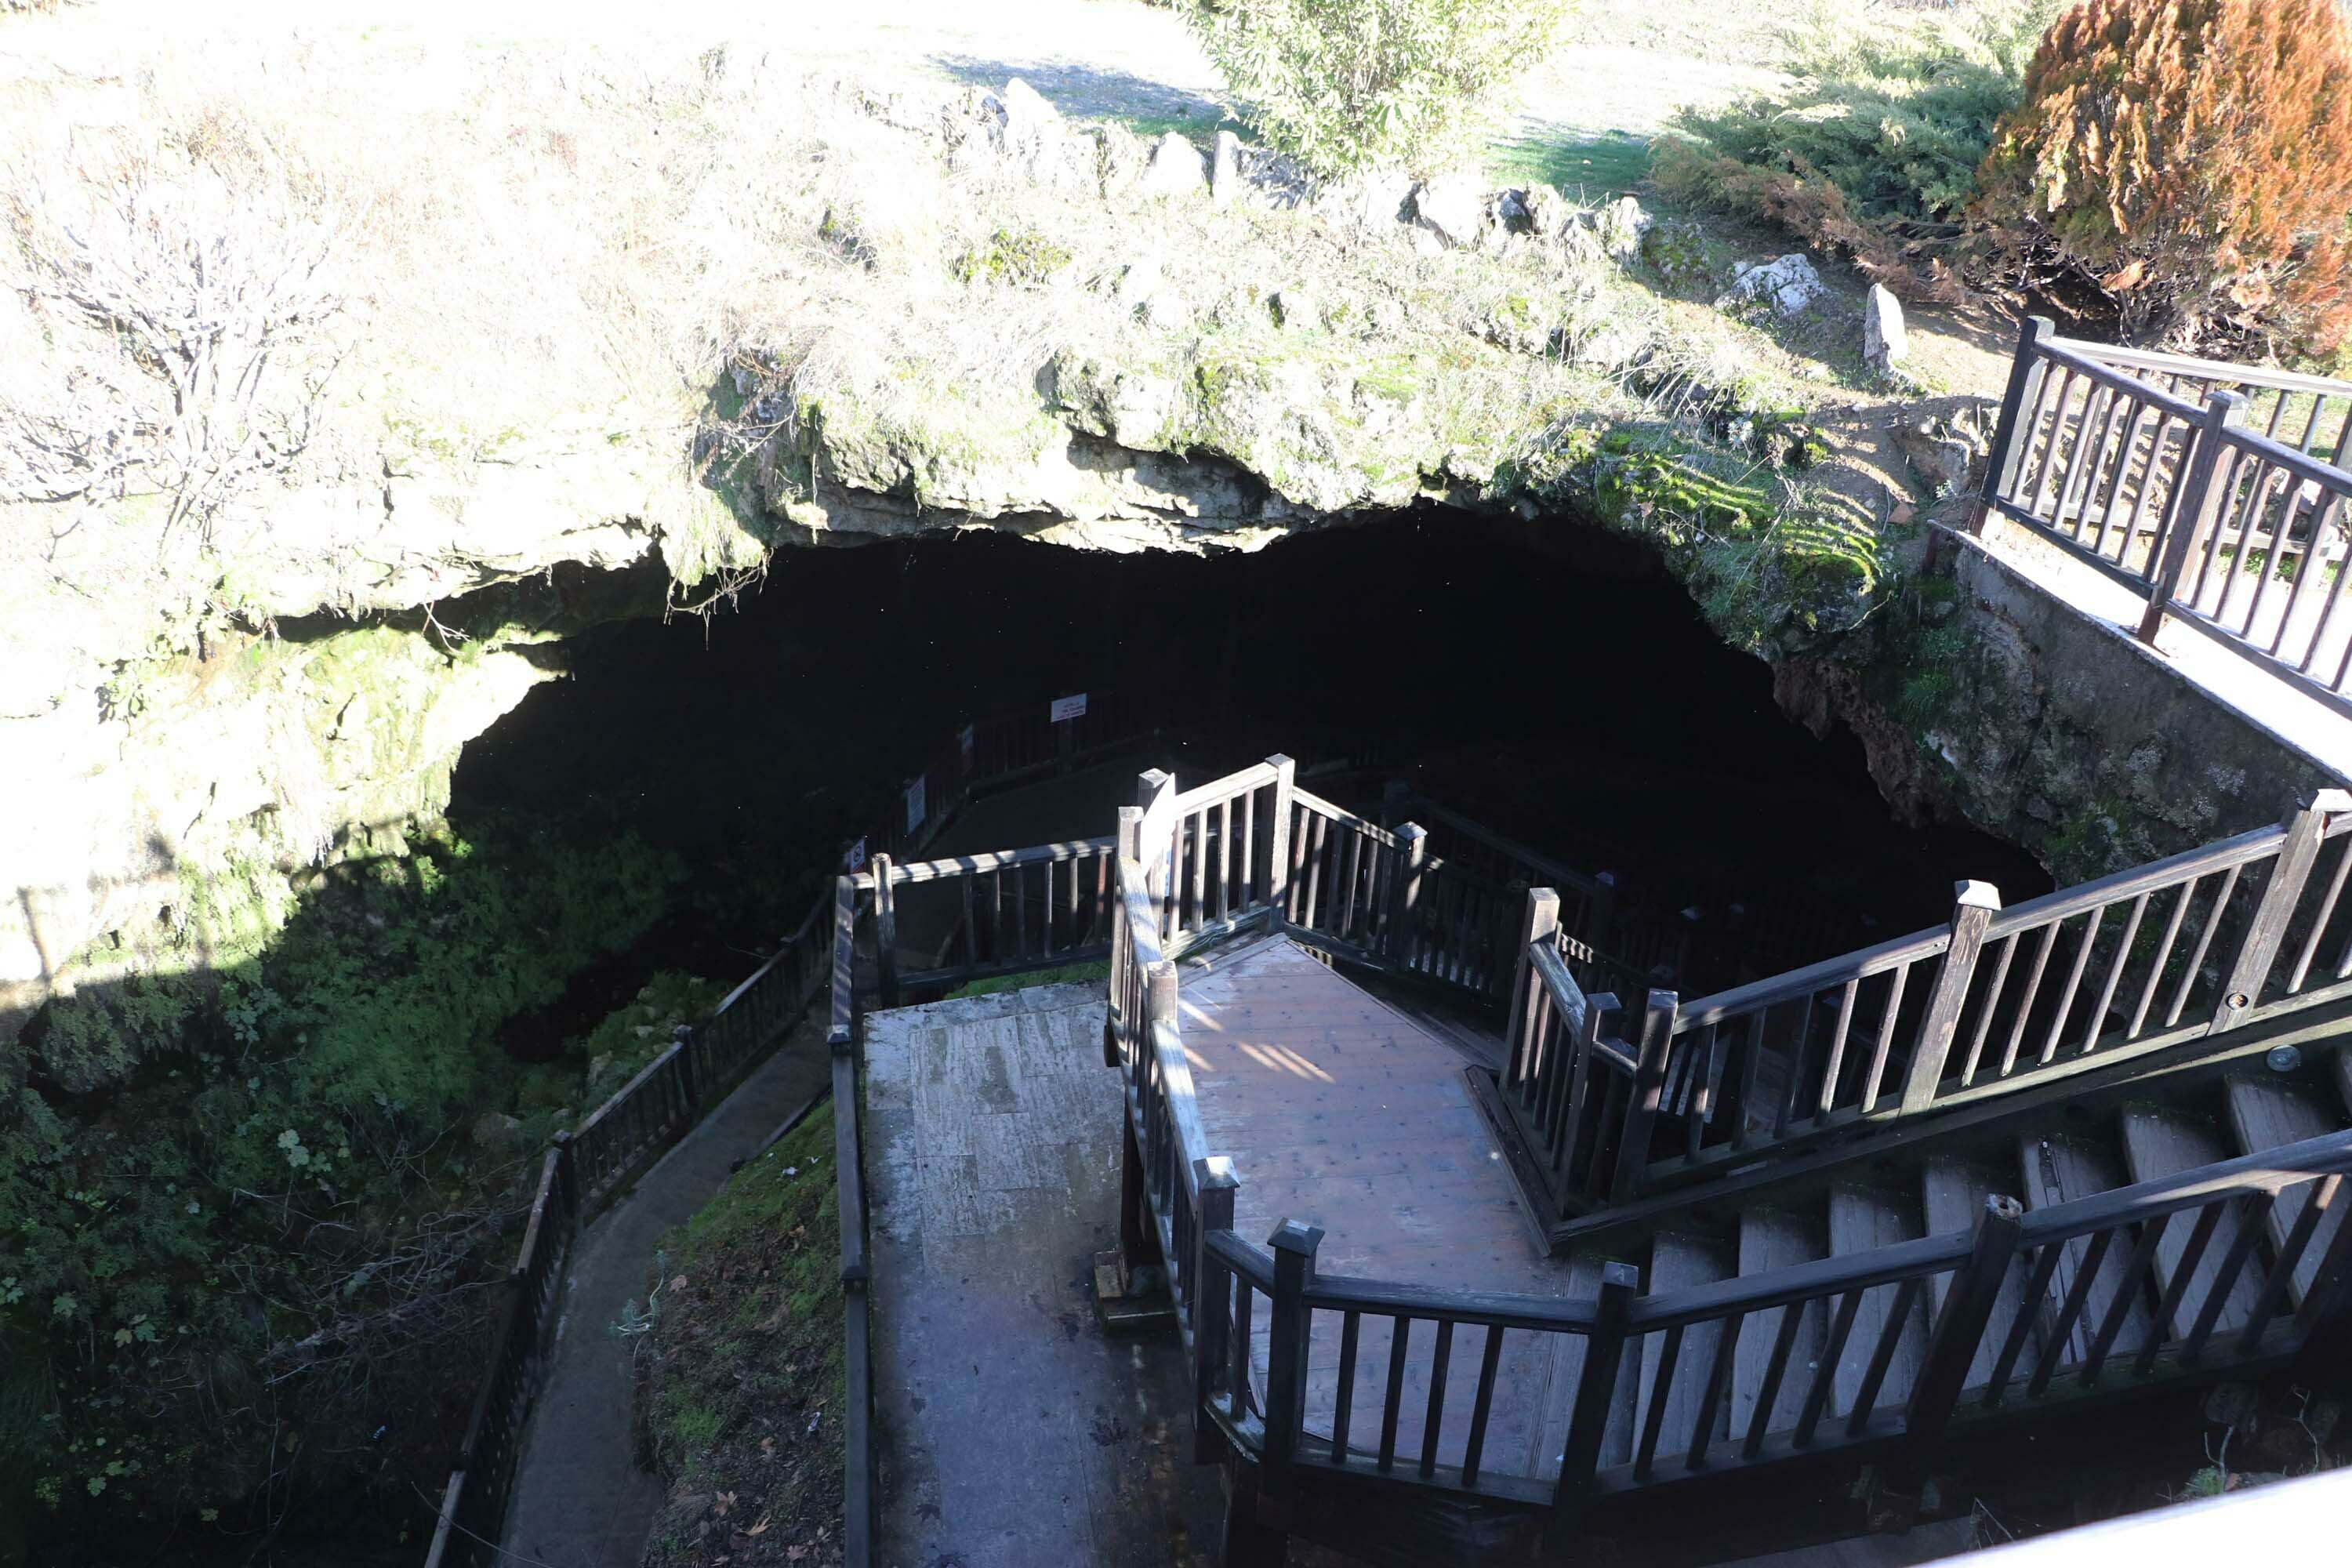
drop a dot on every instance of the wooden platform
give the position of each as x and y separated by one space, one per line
1013 1431
1339 1111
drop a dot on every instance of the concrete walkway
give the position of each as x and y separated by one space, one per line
1013 1432
579 1499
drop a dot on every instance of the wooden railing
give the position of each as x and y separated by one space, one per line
845 1034
1002 752
1617 940
1996 1353
580 1175
2217 492
2150 960
2192 945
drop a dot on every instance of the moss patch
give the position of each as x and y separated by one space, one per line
740 1377
1068 975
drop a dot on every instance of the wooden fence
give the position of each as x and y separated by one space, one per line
579 1176
1986 1361
2217 492
2189 946
1995 1001
587 1169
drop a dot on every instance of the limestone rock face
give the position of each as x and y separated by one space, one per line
1370 201
1788 285
1885 342
1620 226
1176 169
1940 452
1453 207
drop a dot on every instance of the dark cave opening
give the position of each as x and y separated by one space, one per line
1568 695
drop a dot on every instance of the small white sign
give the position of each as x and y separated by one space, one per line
1067 707
915 809
963 745
856 858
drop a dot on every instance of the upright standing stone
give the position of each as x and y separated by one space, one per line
1884 341
1226 169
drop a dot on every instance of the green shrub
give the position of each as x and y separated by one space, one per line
1344 84
267 1248
1020 257
1874 148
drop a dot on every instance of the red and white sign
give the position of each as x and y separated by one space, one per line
856 858
1068 708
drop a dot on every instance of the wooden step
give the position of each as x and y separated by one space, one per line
2059 1170
1558 1403
2162 1141
1772 1238
1678 1262
2267 1111
1862 1219
1953 1194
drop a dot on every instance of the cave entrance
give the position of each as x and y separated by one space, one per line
1547 679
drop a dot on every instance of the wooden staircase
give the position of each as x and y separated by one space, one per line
2053 1313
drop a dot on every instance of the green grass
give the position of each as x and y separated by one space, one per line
1588 165
740 1378
1068 975
1199 125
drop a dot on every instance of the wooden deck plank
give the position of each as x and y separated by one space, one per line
1678 1262
1863 1218
2159 1141
2059 1170
1773 1239
1343 1112
2266 1113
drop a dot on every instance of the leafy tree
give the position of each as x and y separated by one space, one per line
2190 160
1346 84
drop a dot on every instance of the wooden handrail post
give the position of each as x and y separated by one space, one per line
1396 796
1596 1389
1541 924
1130 846
567 1180
1604 910
2025 372
1404 892
1277 870
885 931
2289 872
1210 1306
2191 510
1155 797
1293 1246
1951 1350
688 1080
1973 906
1649 1085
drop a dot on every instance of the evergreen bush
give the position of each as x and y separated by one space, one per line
1873 151
2190 161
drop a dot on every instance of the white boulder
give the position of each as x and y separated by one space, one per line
1453 207
1177 168
1789 284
